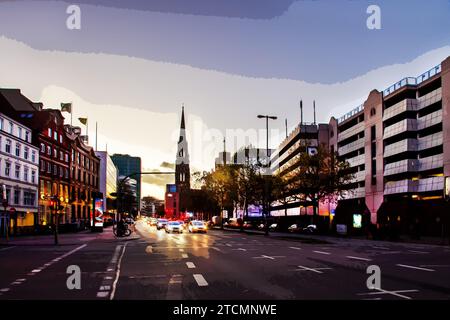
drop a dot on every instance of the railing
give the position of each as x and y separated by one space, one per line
429 99
351 131
411 81
354 193
402 186
429 120
398 108
350 114
433 140
406 165
431 184
432 162
355 145
400 146
399 127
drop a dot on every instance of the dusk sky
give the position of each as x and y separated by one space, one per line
133 63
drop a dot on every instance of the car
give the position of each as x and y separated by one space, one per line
183 225
173 226
247 225
197 226
312 228
273 227
161 223
153 221
294 228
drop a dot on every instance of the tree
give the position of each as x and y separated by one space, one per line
318 176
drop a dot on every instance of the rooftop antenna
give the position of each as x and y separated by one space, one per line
285 122
301 112
224 152
314 107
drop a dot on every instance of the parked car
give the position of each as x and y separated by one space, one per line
247 225
312 228
273 227
197 226
173 226
161 223
294 228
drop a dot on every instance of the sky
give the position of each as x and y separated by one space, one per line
134 63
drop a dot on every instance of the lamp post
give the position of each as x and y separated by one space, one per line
265 206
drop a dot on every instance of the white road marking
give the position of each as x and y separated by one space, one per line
4 290
321 252
393 292
184 256
217 249
190 265
316 270
240 249
358 258
200 280
436 265
413 267
415 251
379 247
4 249
36 270
102 294
105 288
117 273
295 248
228 245
269 257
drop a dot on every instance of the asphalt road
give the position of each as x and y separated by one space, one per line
221 265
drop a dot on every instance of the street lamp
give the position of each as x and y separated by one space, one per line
267 117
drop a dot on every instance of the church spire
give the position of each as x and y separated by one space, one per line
183 126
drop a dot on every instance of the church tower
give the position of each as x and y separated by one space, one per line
182 171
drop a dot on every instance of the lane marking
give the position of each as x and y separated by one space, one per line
184 256
322 252
379 247
316 270
117 273
413 267
240 249
4 249
420 252
190 265
4 290
200 280
215 248
295 248
358 258
269 257
393 292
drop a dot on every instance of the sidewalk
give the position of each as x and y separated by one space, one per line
64 239
334 238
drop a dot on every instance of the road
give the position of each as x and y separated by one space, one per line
221 265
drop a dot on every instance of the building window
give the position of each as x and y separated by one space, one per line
42 148
42 165
67 173
11 128
16 196
19 132
33 156
61 155
8 146
27 136
7 168
67 157
26 151
49 150
60 139
49 167
55 169
55 136
25 174
61 172
17 171
50 132
33 176
17 150
29 198
1 123
55 153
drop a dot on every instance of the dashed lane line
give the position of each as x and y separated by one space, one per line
358 258
184 256
201 282
414 267
322 252
190 265
114 286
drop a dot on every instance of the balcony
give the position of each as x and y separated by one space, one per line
358 176
357 161
429 120
433 162
402 186
401 146
407 165
351 131
402 106
431 184
355 145
400 127
430 141
429 99
354 193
